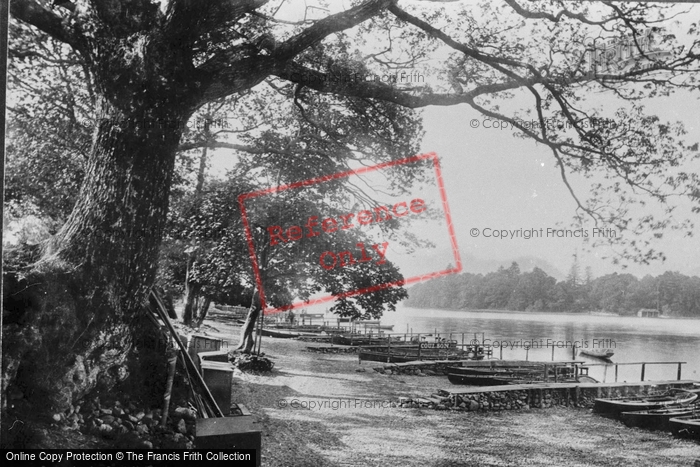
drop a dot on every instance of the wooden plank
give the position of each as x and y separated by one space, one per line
162 312
636 363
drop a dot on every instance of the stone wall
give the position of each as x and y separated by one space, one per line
538 396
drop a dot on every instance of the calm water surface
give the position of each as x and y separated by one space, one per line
633 339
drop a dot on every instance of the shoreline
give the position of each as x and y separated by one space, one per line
327 410
554 313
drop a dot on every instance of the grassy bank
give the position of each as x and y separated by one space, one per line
319 410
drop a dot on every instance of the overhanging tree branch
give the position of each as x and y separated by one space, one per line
329 25
43 19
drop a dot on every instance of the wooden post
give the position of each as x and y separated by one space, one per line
172 363
643 368
553 356
616 372
573 352
679 370
262 319
501 356
462 341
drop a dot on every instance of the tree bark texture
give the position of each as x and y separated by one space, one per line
85 291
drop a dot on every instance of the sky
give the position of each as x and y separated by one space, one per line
496 181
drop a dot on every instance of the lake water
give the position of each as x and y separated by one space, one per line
632 339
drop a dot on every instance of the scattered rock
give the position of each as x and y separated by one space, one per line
185 412
145 445
176 441
106 431
182 426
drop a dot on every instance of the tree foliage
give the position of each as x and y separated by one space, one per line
672 293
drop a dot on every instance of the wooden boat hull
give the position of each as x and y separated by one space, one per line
485 380
616 406
403 357
606 353
687 426
339 339
279 334
461 370
657 419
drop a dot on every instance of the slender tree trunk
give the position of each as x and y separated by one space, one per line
193 314
202 309
201 172
247 340
191 290
94 275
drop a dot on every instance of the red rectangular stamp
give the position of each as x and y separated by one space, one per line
350 233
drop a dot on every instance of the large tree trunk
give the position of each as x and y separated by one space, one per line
83 295
196 305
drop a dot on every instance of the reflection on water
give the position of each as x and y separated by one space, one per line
633 339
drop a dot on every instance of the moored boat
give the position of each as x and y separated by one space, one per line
488 380
410 353
523 371
657 419
281 334
687 426
615 406
597 353
361 339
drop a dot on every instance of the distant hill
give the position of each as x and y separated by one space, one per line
474 265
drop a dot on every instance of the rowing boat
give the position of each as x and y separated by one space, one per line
615 406
687 426
360 339
657 419
597 353
488 380
279 334
403 354
461 370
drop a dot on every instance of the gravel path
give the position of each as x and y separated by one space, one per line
318 410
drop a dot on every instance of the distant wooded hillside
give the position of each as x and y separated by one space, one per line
509 289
